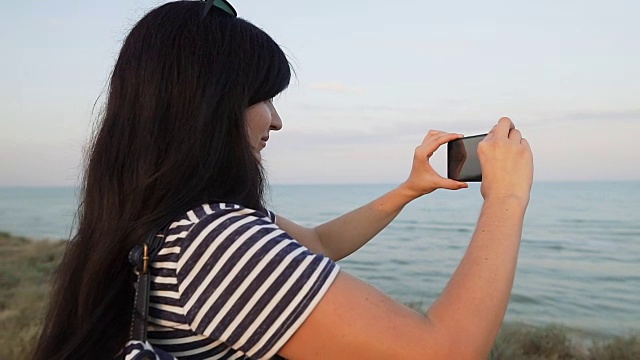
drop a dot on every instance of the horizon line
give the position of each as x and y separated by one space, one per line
44 186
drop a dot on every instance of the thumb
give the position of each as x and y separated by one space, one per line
453 184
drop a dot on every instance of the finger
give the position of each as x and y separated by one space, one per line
515 135
526 144
453 184
431 134
433 144
491 133
502 128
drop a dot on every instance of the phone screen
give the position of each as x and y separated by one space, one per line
462 159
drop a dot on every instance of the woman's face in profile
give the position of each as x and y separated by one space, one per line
261 118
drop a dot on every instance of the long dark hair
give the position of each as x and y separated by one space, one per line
172 136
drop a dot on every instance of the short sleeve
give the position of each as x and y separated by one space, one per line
244 282
272 216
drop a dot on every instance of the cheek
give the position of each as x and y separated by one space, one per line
262 121
258 120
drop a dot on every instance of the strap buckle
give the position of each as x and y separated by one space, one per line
141 254
145 259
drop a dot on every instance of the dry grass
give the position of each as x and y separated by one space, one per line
25 271
26 268
522 342
623 347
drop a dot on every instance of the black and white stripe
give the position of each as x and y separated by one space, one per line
230 284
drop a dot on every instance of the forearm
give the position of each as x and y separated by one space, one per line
473 304
347 233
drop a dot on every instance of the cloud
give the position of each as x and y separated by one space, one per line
551 117
397 133
619 115
460 119
336 87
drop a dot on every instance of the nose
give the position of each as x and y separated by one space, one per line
276 121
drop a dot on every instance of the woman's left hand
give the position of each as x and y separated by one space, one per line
423 178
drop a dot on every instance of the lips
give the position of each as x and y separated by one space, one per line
263 141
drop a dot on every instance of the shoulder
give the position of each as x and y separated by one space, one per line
197 219
221 219
207 213
229 234
243 280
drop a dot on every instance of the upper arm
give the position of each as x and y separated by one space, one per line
307 237
246 284
357 321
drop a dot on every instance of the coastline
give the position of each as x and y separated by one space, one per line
26 266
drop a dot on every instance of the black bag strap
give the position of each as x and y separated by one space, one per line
140 258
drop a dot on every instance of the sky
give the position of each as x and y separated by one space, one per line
372 78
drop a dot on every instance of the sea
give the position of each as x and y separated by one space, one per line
579 262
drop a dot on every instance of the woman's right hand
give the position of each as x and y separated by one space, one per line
507 163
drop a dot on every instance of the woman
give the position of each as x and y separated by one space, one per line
188 112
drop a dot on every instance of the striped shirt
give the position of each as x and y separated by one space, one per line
228 283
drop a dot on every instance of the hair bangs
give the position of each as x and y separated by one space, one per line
272 70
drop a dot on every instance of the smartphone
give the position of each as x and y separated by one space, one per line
462 159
